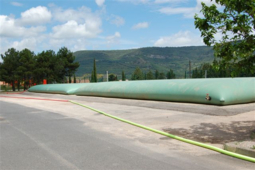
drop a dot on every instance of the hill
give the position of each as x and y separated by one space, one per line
162 59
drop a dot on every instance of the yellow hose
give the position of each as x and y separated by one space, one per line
247 158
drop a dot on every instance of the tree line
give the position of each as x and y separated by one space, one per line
138 74
25 67
219 69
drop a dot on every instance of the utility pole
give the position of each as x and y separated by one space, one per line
106 76
205 73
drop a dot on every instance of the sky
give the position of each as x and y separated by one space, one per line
98 24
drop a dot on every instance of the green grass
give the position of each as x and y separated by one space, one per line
5 88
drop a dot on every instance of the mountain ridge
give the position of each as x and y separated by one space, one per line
147 58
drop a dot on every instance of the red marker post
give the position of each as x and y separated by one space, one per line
44 81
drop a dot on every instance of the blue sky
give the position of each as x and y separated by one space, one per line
98 24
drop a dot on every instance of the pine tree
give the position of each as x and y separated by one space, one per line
149 75
70 80
95 71
161 75
138 74
170 74
74 79
123 76
156 74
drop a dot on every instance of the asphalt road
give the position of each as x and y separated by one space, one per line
38 139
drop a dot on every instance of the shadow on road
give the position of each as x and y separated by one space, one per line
217 133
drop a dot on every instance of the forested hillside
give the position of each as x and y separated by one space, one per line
150 58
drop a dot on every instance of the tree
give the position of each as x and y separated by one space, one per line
74 79
1 76
170 74
196 73
161 75
94 73
156 74
67 59
9 68
149 75
236 23
26 67
47 67
58 66
216 69
138 74
123 77
113 77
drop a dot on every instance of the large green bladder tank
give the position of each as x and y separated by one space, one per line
222 91
219 91
56 88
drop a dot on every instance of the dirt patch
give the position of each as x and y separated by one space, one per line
217 133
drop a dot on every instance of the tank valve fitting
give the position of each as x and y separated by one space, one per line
207 97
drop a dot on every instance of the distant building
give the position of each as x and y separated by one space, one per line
3 83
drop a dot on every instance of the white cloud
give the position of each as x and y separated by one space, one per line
169 1
36 16
32 43
100 2
143 1
141 25
16 4
79 44
29 43
135 1
179 39
117 20
72 44
113 38
80 15
72 29
77 23
188 12
10 28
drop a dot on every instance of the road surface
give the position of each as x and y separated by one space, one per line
33 137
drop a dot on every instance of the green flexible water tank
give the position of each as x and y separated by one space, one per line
56 88
218 91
